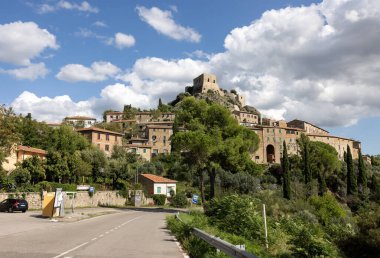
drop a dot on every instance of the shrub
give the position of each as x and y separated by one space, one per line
327 209
237 215
159 199
180 200
21 176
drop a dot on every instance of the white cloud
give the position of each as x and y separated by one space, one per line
313 63
99 71
22 41
162 21
67 5
56 108
100 24
120 40
30 72
123 40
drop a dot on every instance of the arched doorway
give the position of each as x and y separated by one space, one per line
270 154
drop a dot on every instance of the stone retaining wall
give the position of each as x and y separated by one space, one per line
82 199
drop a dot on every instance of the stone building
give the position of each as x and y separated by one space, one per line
19 153
105 140
157 130
140 117
79 121
140 146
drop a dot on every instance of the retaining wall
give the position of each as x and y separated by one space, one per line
82 199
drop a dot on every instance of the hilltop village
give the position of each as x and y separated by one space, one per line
152 131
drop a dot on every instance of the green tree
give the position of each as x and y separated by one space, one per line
78 167
285 172
209 138
34 134
324 162
362 177
56 166
67 141
9 135
304 144
36 168
352 186
98 161
21 176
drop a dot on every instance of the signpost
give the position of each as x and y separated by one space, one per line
195 199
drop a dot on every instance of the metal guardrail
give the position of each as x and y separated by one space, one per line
220 244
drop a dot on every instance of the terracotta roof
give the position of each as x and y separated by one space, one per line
158 179
95 129
309 124
332 136
115 113
30 149
138 145
160 126
80 118
139 139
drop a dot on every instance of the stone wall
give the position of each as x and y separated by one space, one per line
82 199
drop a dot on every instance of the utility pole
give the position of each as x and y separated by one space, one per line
265 226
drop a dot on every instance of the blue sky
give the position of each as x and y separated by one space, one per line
312 60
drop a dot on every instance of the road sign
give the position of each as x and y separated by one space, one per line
195 198
91 189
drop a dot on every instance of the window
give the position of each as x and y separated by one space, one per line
208 80
164 140
144 150
159 189
214 81
154 137
279 130
164 130
267 130
98 136
154 129
257 157
107 147
107 137
273 130
268 139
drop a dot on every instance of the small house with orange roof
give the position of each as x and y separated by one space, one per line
154 184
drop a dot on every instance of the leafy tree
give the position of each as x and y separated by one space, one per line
36 168
98 161
129 112
34 134
9 135
362 177
286 172
210 138
56 166
21 176
351 177
78 167
324 162
67 141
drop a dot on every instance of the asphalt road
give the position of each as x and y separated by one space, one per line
126 233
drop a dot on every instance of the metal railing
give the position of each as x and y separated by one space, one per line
220 244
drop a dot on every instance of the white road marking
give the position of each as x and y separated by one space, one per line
72 249
79 246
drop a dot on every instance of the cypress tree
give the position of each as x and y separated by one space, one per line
285 172
345 156
351 178
159 103
362 177
306 163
